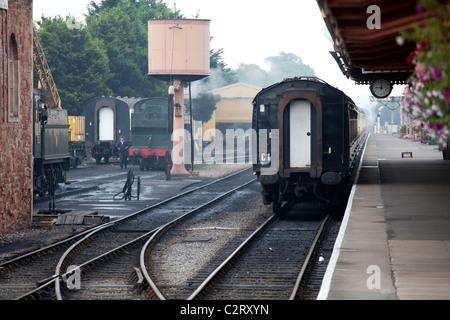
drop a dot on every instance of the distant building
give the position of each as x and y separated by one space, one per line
16 106
234 110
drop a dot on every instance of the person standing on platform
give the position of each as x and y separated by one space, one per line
123 152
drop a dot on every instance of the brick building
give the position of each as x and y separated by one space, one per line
16 105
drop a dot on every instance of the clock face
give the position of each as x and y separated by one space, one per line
381 88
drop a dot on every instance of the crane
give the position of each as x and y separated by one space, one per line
45 74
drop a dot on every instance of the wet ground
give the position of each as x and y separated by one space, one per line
106 200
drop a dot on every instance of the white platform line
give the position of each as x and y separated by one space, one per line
326 282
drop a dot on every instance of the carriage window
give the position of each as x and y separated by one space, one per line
13 80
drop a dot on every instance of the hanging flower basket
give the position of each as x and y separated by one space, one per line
426 100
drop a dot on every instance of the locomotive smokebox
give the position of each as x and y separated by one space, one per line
178 49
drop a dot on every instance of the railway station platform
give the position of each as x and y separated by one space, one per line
394 241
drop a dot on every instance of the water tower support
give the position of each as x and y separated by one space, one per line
178 167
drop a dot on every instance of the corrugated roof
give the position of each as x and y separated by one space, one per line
364 53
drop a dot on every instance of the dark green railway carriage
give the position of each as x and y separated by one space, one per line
106 120
308 135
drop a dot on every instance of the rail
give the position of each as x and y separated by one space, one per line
76 240
226 264
154 291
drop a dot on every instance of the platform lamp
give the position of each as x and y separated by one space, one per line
178 53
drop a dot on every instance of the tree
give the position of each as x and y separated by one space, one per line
118 65
287 65
121 26
252 74
203 106
282 66
78 63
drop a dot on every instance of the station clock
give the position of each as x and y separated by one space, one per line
381 88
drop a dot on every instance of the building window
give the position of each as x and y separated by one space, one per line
13 80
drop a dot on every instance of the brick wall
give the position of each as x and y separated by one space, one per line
16 133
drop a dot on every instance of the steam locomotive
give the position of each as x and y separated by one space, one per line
50 147
150 136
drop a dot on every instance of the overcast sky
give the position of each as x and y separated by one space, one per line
249 31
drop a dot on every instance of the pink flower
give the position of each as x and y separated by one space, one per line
420 69
447 96
438 126
419 9
407 93
436 74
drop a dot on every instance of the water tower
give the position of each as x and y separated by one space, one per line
178 53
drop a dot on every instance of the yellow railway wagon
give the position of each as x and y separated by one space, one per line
76 129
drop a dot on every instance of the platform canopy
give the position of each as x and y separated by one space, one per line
365 54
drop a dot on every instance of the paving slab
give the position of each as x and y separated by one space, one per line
394 240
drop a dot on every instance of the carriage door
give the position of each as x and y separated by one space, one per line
106 124
300 134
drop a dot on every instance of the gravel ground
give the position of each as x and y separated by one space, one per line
186 251
19 243
218 170
33 238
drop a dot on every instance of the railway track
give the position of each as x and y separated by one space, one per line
270 263
32 276
115 275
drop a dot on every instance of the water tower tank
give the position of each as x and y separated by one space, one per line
178 49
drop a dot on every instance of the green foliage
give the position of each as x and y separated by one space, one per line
253 74
287 65
203 106
78 63
121 26
227 75
109 57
